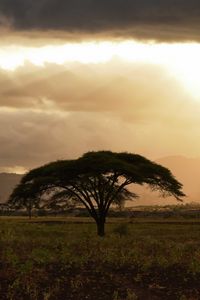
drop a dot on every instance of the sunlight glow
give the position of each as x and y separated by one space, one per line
42 106
182 60
15 169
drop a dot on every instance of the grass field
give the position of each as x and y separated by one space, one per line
63 258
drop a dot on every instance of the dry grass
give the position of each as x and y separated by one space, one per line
59 258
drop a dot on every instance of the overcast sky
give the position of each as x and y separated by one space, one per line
171 20
144 99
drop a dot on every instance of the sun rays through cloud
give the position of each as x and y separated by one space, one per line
180 59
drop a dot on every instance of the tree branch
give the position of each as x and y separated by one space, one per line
87 199
120 188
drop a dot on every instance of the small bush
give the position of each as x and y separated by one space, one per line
121 229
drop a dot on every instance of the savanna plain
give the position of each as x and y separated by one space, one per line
55 258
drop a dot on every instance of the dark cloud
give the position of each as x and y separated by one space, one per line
33 138
172 19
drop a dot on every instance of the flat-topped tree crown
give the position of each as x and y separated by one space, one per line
97 180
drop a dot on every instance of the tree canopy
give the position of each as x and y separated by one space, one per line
96 180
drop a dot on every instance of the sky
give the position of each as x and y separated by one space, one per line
82 75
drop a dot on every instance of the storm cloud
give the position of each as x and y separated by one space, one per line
146 19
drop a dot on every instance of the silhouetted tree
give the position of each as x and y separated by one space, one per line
97 180
25 196
4 208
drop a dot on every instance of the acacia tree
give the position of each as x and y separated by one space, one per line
25 196
97 180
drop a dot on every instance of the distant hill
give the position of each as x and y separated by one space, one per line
7 183
186 170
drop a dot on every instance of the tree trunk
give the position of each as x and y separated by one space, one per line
100 218
101 227
29 213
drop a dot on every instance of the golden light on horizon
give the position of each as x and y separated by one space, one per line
181 60
15 169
